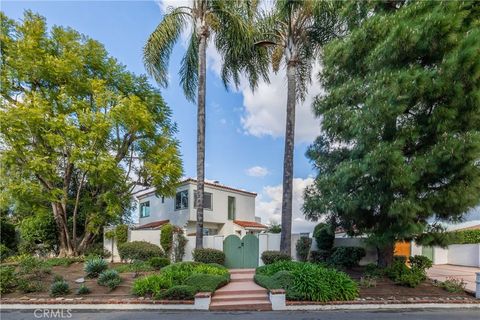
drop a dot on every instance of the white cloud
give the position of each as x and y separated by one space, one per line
265 109
257 171
268 205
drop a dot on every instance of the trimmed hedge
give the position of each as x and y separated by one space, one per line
158 263
324 236
307 281
206 282
139 250
269 257
176 274
181 292
166 237
206 255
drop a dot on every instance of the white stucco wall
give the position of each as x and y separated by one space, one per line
464 255
440 255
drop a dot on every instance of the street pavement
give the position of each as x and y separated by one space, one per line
428 314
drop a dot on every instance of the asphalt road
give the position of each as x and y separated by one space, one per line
450 314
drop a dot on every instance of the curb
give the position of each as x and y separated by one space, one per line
288 307
410 306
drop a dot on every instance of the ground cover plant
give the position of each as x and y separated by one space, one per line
307 281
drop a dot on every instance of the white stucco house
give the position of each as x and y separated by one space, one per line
227 210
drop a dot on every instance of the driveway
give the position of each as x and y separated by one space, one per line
441 272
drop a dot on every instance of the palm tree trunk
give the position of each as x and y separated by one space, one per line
286 235
201 136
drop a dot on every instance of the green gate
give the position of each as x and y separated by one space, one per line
427 252
241 253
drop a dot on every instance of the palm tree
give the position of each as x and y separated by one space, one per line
293 33
227 23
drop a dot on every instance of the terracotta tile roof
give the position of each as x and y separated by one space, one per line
221 186
153 225
249 224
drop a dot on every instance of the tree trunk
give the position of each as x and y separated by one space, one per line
286 235
385 255
65 249
201 136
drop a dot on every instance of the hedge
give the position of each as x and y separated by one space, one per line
139 250
269 257
207 255
465 237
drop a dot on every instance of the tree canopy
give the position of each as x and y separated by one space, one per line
78 131
400 143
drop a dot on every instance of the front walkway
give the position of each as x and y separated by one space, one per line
242 293
441 272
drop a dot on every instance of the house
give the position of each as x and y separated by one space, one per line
227 210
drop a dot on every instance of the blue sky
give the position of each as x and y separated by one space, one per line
244 135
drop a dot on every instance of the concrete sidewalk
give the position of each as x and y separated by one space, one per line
441 272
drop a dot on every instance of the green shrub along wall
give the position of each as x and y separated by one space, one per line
166 238
465 237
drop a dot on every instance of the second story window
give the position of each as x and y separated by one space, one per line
181 200
145 209
231 208
207 200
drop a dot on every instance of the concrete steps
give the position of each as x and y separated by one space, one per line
241 294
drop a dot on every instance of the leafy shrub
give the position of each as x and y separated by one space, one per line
209 256
93 267
59 288
307 281
9 235
320 256
453 285
373 271
158 263
29 284
181 292
151 285
405 276
7 279
97 251
166 237
179 247
121 233
52 262
139 250
411 278
110 279
420 263
347 257
38 233
4 252
324 236
135 266
269 257
303 248
83 289
206 282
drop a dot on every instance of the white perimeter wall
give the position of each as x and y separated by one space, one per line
464 254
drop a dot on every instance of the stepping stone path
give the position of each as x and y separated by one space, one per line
242 293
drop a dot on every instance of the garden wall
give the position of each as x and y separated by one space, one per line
464 254
371 252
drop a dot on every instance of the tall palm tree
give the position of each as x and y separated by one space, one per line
227 23
293 33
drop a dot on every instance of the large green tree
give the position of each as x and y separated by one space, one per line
294 33
78 131
225 24
400 145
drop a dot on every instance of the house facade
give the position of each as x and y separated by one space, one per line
227 210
